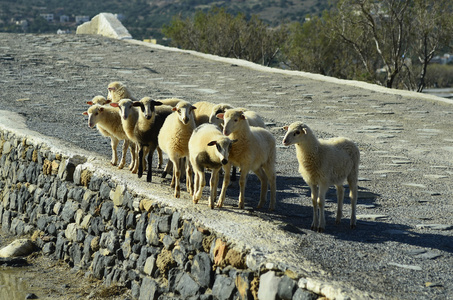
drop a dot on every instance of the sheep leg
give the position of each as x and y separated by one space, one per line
123 154
176 176
114 144
140 161
137 160
353 195
189 182
233 174
149 175
133 156
242 183
340 197
160 157
168 169
272 178
314 200
226 182
198 186
213 186
263 179
321 203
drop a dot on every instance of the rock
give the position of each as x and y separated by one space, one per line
302 294
286 288
149 289
22 247
187 287
243 282
202 269
268 286
223 287
150 265
434 226
31 296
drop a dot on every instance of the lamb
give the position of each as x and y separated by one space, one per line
118 91
142 131
323 163
203 155
202 112
108 123
174 140
254 151
252 117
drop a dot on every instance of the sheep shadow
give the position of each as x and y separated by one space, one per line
294 214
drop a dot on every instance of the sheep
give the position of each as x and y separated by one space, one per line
202 112
254 150
98 100
203 154
174 140
323 163
142 131
170 101
118 91
252 117
108 123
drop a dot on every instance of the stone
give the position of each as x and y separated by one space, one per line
302 294
223 288
243 282
21 247
149 290
219 251
106 210
150 265
286 288
434 226
117 195
146 204
152 233
202 269
187 287
410 267
71 232
69 210
175 225
268 286
104 190
169 242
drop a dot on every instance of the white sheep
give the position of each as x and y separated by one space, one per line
252 117
141 130
208 148
254 151
99 99
174 140
108 123
118 91
202 112
323 163
170 101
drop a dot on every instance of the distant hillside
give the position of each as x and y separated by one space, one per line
143 18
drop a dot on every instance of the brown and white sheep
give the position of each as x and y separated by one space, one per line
323 163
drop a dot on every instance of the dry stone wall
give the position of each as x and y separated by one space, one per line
98 225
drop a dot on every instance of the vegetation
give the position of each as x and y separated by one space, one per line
387 42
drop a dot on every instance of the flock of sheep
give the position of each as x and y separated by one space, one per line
212 136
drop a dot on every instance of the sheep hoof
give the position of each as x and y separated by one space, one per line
314 228
320 230
353 226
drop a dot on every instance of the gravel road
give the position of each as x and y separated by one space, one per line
402 246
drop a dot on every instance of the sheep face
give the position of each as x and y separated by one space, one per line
117 91
125 106
295 133
184 111
147 106
93 114
232 119
223 147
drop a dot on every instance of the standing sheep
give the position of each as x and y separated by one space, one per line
208 148
254 151
141 130
174 140
108 123
323 163
118 91
99 99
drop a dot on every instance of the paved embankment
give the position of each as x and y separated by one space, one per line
402 247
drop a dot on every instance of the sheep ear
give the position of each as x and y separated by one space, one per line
156 103
108 101
285 128
212 143
85 113
220 116
304 130
90 102
242 117
193 107
101 109
137 103
174 108
114 104
234 141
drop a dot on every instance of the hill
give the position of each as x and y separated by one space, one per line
143 19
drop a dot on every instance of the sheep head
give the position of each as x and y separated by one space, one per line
147 106
295 133
125 106
233 119
93 114
223 147
185 112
